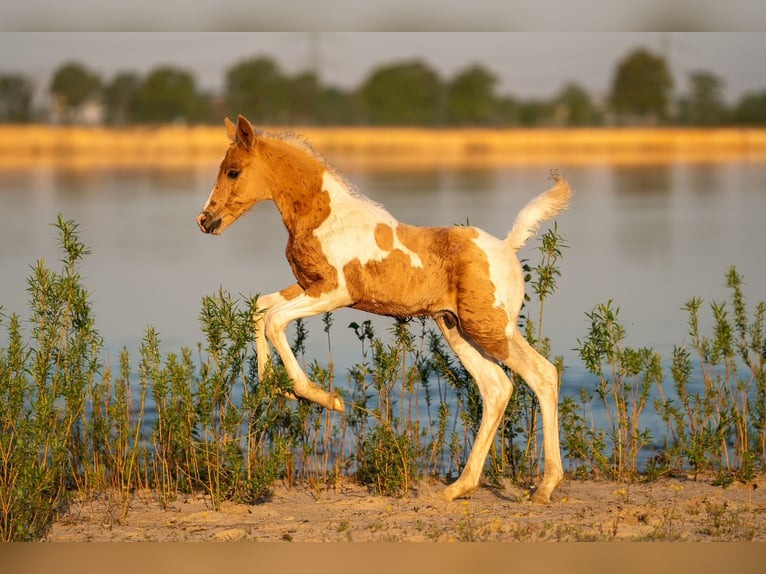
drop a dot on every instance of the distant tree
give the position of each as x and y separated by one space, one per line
258 89
71 87
533 113
120 98
471 97
304 98
169 94
751 109
642 87
408 93
201 109
15 98
339 107
507 111
704 104
575 107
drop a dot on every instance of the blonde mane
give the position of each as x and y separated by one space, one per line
298 141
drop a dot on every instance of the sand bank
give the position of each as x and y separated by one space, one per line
24 147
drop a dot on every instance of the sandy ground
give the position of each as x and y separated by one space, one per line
666 510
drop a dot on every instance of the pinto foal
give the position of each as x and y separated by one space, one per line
347 251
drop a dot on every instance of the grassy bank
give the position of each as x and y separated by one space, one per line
167 146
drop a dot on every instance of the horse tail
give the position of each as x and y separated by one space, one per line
546 205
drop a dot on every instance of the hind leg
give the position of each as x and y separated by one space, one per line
541 376
495 389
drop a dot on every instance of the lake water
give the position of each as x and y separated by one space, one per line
646 237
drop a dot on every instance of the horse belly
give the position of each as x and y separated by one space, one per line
394 287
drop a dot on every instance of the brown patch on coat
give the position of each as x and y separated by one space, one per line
454 278
304 205
384 236
478 317
394 286
291 292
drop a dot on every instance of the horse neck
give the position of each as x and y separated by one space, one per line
303 186
297 181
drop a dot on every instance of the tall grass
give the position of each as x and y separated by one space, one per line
44 381
72 425
722 427
714 418
624 378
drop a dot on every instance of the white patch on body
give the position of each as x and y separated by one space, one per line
349 231
504 273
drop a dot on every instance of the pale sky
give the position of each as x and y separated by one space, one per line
476 15
528 64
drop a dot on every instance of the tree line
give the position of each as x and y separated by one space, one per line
408 93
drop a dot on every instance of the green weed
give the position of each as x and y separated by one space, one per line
74 425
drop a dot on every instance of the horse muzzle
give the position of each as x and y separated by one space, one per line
208 223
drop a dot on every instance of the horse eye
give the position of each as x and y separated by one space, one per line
232 174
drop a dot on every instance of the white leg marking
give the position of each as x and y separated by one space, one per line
265 302
541 376
276 320
495 389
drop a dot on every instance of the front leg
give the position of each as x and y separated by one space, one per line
275 320
265 303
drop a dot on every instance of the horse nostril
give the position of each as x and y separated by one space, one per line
209 223
201 221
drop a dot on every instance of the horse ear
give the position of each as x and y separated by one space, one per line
245 133
231 129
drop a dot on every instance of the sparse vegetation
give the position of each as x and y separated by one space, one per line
72 427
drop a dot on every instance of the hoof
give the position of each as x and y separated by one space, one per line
447 496
337 404
540 498
456 490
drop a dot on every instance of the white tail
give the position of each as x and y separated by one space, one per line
544 206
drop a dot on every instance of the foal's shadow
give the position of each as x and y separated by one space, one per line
506 491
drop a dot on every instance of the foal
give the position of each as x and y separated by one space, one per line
347 251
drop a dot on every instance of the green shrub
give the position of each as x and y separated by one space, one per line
386 461
724 428
71 426
43 387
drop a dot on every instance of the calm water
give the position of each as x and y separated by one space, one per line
646 237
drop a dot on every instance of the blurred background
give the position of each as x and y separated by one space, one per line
424 79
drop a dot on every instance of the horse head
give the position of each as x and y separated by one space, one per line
242 180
